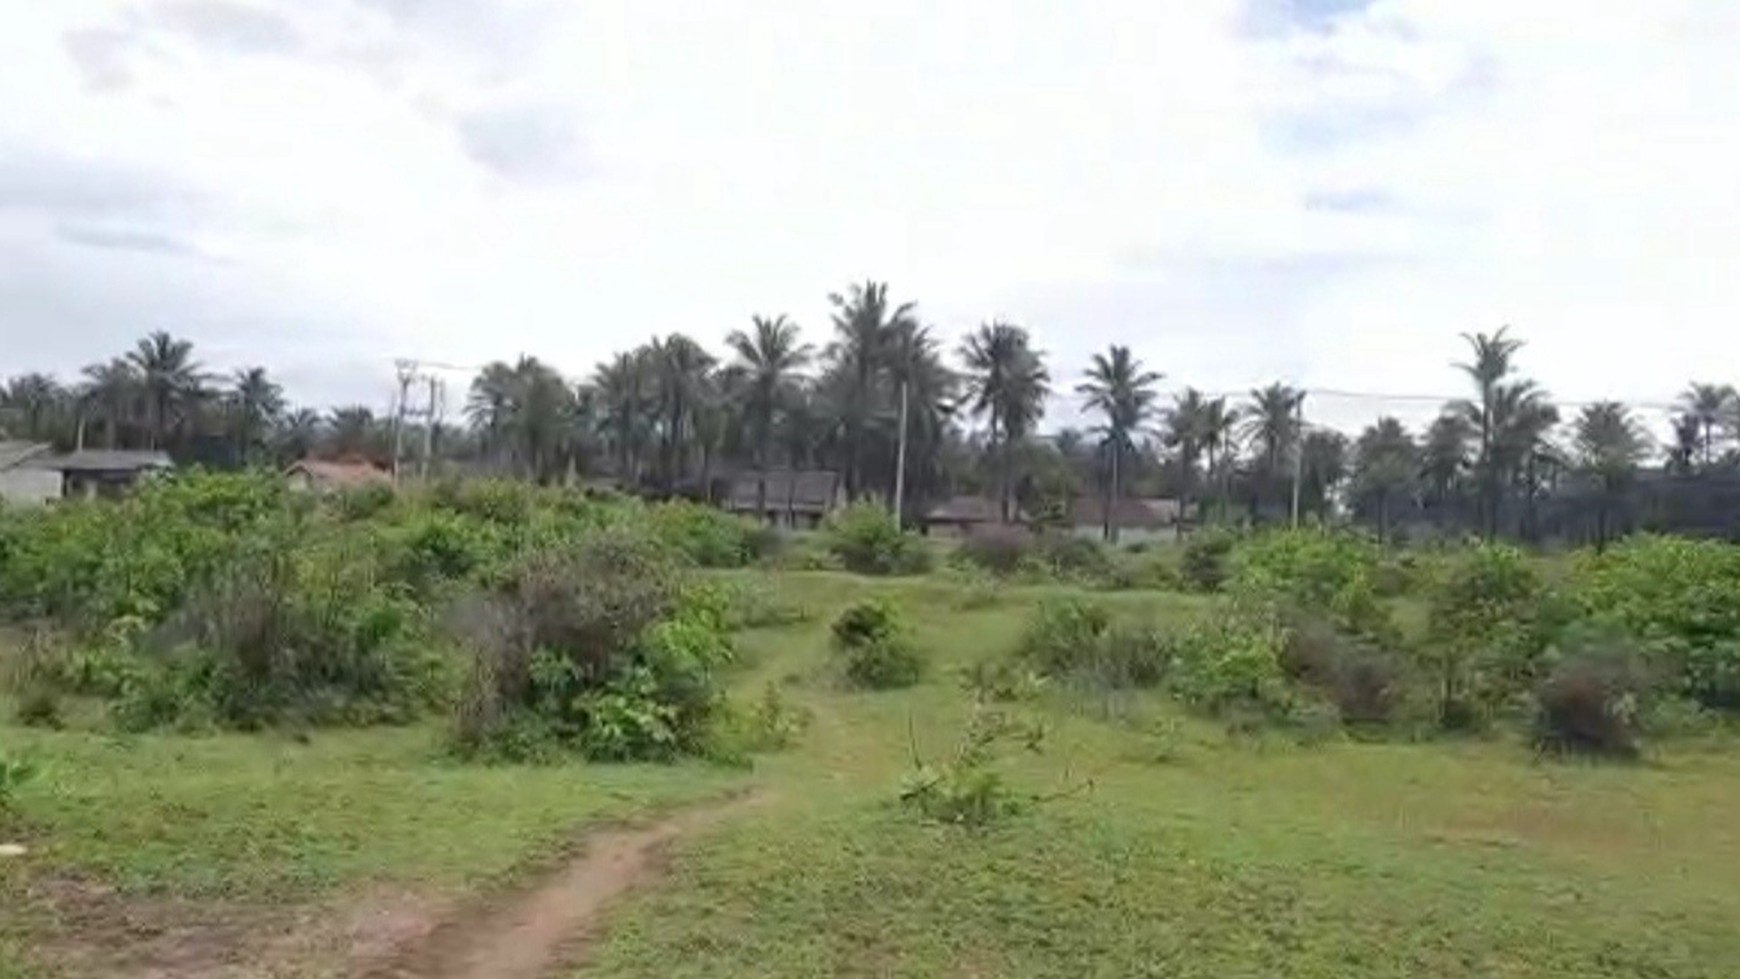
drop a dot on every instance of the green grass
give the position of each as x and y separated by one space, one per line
1196 853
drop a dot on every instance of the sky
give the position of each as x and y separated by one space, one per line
1323 191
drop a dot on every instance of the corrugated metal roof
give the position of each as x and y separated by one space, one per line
15 453
108 460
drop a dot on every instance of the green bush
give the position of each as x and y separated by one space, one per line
1064 636
1231 661
15 773
1204 563
877 646
1330 572
1075 639
866 540
1679 600
998 550
1592 702
968 789
594 650
1364 683
1490 621
707 536
1070 556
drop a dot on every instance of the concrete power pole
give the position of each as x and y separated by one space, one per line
431 418
1298 453
406 372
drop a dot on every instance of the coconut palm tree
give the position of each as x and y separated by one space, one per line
1271 427
254 401
297 435
768 356
1386 463
1006 383
1120 390
1607 445
855 381
913 360
353 431
682 382
624 409
171 380
1710 406
1682 455
1322 468
1187 432
524 415
32 406
112 393
1488 370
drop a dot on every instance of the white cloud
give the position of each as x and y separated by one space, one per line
1332 203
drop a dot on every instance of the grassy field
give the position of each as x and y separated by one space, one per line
1195 852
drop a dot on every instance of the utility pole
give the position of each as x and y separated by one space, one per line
900 458
406 371
1298 452
431 418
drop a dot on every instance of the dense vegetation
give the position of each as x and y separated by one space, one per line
672 418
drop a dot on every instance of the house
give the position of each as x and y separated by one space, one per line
88 473
1134 518
23 480
962 516
334 475
794 498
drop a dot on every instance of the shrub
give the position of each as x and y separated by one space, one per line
968 789
1231 661
1070 556
866 540
591 650
1489 624
1364 684
1327 571
878 648
1591 703
772 723
999 680
1064 635
15 773
362 503
707 536
1204 563
1680 600
998 550
313 634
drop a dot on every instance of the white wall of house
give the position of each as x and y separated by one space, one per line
25 486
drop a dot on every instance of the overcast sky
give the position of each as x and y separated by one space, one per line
1326 191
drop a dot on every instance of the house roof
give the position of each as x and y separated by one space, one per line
13 454
1129 512
799 489
349 473
109 460
966 509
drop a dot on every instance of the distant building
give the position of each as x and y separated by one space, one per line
89 473
795 498
328 476
23 480
1135 518
962 516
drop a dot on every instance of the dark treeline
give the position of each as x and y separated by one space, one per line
673 417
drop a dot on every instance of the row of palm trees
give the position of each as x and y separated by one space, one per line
670 416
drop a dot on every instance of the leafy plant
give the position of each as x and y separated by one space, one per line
1490 622
969 789
15 773
1231 661
877 646
1203 565
866 540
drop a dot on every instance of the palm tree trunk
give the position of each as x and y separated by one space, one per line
1110 532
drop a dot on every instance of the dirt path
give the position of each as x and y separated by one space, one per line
528 935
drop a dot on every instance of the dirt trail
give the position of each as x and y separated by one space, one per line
528 935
